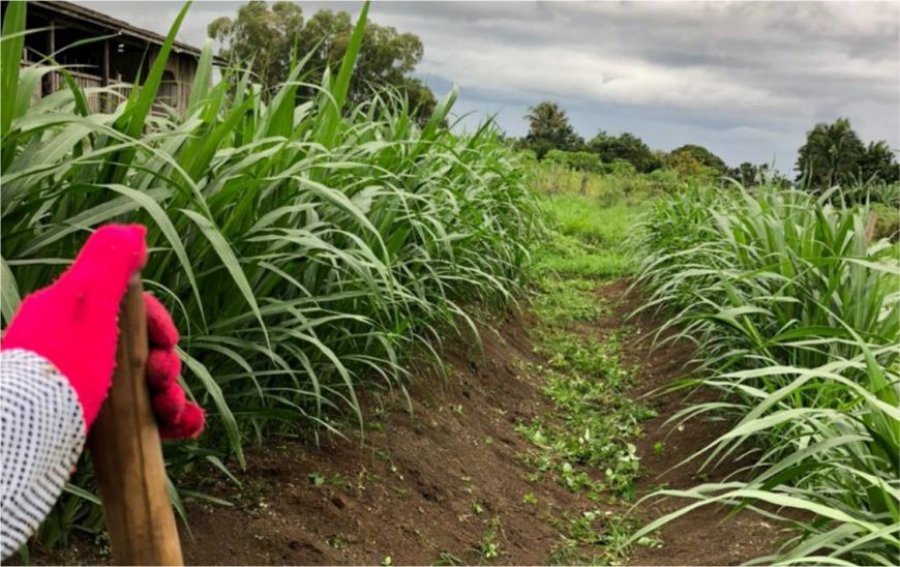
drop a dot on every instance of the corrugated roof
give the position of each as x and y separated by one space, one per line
102 20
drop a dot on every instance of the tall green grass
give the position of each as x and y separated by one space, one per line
586 238
305 247
797 320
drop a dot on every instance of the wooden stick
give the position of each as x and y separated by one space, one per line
127 453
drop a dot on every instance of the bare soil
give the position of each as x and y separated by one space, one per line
431 485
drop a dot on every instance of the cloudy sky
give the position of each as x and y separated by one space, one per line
746 80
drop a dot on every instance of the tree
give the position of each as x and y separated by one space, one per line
831 155
701 155
268 35
262 34
750 175
879 163
549 128
625 146
686 164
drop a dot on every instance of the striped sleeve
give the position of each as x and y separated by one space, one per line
42 436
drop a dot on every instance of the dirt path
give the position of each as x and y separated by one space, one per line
446 484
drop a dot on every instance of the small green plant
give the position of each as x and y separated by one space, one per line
489 547
335 541
530 498
489 550
593 538
319 479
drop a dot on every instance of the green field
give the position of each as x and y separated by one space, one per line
315 250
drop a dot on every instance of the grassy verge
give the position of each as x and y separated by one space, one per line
588 238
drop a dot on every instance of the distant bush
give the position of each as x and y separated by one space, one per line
579 161
664 179
873 192
887 221
619 167
528 156
616 181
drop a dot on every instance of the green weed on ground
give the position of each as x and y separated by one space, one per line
593 420
585 444
595 538
569 301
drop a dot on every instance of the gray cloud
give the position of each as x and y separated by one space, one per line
745 79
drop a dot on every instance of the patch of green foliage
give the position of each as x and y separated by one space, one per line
588 219
587 239
594 419
567 301
595 538
887 221
489 548
567 256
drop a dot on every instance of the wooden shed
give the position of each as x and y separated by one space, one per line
102 51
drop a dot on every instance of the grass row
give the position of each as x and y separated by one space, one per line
304 247
797 317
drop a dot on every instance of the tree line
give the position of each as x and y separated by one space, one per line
271 37
833 154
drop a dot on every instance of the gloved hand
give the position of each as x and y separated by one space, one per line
74 325
177 417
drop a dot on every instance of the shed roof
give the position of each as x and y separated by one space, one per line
101 20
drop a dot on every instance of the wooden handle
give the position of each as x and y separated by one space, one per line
127 454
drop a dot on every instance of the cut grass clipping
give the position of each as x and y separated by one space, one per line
594 421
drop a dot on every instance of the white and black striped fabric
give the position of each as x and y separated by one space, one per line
41 439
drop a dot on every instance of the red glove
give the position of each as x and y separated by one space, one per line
74 324
177 417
